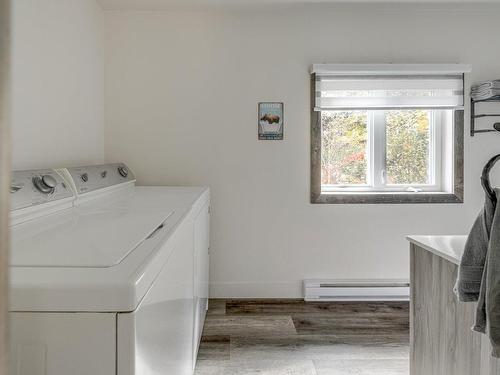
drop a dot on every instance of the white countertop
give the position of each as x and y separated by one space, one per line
450 248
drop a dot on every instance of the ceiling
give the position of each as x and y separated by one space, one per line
166 4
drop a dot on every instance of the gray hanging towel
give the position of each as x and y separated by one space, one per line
488 308
470 271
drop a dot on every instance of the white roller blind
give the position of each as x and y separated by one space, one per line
384 89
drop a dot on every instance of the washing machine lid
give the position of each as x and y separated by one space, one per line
93 238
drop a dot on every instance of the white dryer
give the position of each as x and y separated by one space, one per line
106 277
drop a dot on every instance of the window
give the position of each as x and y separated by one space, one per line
381 136
393 150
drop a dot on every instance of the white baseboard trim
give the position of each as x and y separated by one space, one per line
257 290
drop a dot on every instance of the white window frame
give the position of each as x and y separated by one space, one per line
376 163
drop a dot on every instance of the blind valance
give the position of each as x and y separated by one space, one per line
388 87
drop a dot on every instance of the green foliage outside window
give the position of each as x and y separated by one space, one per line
407 151
344 147
343 154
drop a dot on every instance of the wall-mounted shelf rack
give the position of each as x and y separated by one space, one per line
474 116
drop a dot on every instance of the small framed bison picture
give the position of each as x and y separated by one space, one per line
271 121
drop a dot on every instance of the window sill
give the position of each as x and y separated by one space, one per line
385 197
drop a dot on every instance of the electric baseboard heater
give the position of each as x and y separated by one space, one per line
356 290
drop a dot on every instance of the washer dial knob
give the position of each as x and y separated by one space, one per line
123 171
45 184
85 177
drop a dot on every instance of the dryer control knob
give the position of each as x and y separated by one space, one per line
49 181
123 171
84 177
45 184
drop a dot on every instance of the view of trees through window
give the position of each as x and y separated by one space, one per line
344 153
407 147
343 148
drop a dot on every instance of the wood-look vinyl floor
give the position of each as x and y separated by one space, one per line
293 337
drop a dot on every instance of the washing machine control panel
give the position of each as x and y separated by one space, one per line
95 177
34 187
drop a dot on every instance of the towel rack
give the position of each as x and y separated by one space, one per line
474 116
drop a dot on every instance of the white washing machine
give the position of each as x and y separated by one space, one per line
106 277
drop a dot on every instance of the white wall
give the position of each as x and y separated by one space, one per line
58 83
181 95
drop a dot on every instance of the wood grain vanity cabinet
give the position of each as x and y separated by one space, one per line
442 342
